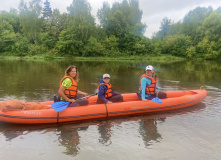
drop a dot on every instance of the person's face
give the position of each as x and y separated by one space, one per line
106 80
73 73
149 72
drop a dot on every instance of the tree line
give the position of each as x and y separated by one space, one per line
198 35
35 29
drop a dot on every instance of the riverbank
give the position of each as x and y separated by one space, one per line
161 58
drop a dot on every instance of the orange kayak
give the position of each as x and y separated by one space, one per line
131 106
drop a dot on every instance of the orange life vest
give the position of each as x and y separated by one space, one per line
70 92
108 93
150 90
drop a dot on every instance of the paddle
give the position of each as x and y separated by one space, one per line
61 105
156 99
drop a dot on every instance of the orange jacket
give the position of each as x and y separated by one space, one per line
108 93
70 92
150 90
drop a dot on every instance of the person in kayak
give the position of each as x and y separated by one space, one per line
105 92
148 87
68 90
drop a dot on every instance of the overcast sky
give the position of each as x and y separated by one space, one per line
153 10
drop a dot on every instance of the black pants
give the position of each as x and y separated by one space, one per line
79 101
116 98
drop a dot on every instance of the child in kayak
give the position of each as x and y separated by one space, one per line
105 92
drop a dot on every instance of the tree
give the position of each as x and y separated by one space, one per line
47 12
218 10
53 28
117 25
130 14
93 48
175 28
75 36
21 46
211 26
7 37
3 11
81 9
133 16
31 22
193 20
164 29
103 14
206 49
111 46
13 10
68 43
12 19
176 45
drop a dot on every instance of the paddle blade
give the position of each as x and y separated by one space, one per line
157 100
59 106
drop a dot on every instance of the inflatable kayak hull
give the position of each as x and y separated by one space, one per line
131 106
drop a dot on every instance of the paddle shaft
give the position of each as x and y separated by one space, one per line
87 96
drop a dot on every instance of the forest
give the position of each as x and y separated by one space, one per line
35 29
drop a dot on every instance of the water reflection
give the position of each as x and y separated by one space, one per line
70 139
12 131
104 129
148 131
9 135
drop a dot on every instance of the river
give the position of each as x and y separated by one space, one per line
191 133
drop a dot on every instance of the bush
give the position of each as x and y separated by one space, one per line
207 49
176 45
36 50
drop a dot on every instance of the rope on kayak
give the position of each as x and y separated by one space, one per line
106 110
57 117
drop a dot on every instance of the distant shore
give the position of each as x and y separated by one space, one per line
160 58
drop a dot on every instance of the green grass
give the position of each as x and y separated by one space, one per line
161 58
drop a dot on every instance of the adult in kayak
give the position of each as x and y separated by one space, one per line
105 92
148 89
68 90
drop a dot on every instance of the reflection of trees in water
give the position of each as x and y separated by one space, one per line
192 73
148 130
70 139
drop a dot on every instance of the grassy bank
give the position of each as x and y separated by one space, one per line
162 58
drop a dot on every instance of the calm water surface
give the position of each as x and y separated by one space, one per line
192 133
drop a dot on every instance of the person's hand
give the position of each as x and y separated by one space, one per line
85 94
72 100
109 102
157 87
145 100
